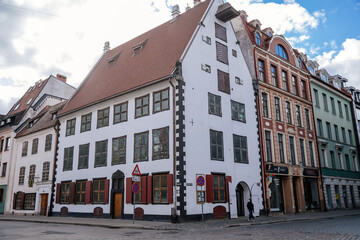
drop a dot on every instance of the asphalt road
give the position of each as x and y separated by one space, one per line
337 228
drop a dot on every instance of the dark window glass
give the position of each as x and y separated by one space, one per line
142 106
261 70
216 145
328 128
274 76
219 188
343 135
302 152
29 201
311 152
103 118
268 146
288 112
48 142
118 150
45 172
240 149
161 100
68 158
83 156
24 149
281 148
325 102
222 53
298 115
80 192
70 127
31 175
141 141
350 137
220 32
101 153
333 105
85 122
336 133
22 176
340 109
160 188
35 143
3 172
316 94
160 143
292 150
294 85
320 128
214 104
307 119
277 109
238 111
347 112
64 192
285 80
303 89
280 51
223 82
98 190
120 112
265 106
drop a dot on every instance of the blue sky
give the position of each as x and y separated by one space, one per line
43 37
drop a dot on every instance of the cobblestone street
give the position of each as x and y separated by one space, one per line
336 228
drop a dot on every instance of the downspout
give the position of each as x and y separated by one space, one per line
174 212
56 128
262 161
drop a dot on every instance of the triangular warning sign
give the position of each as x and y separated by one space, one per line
136 171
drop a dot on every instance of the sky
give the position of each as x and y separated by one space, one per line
39 38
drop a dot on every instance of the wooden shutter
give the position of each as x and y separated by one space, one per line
22 200
58 186
170 188
220 32
149 189
106 192
88 192
222 53
14 201
128 189
72 192
143 189
223 82
228 180
209 188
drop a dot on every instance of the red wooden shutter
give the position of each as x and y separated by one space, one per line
228 180
128 189
88 192
72 193
14 201
106 192
170 188
22 200
58 186
209 188
143 189
149 189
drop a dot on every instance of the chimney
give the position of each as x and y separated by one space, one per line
106 46
61 77
175 11
196 2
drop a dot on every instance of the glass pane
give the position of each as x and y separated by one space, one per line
100 114
221 181
222 194
164 181
213 152
219 138
165 104
123 116
145 110
244 156
145 100
138 102
156 137
157 97
216 195
216 179
117 109
137 153
96 185
212 108
165 94
117 118
211 99
220 152
156 196
164 196
123 107
156 181
237 155
157 106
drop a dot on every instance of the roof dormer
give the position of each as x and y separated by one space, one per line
243 15
323 74
256 24
268 31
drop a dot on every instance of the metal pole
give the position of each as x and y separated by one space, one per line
202 210
134 207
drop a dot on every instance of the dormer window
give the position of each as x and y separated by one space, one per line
31 124
16 107
2 123
280 51
138 47
28 102
8 120
270 34
311 69
299 61
53 116
112 60
257 39
324 78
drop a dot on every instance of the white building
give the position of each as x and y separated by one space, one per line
35 151
43 93
178 101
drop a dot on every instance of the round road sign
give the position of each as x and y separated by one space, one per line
136 187
200 181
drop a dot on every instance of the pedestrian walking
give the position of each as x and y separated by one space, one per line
250 207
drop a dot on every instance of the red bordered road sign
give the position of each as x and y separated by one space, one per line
136 187
136 171
200 181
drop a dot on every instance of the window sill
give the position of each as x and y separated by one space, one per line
242 162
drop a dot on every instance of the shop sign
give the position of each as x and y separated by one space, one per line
311 172
276 169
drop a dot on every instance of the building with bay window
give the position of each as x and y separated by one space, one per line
337 139
291 170
178 102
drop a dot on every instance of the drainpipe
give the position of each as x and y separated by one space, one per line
174 212
56 128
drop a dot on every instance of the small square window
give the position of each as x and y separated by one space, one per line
239 81
234 53
206 39
206 68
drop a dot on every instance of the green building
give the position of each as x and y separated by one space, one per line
338 148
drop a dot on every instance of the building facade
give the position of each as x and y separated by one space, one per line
291 170
338 149
186 117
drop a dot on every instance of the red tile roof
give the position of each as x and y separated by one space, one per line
28 98
164 46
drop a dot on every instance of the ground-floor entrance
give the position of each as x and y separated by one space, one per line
2 198
117 194
311 193
43 204
242 196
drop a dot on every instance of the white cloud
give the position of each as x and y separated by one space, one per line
333 45
314 49
345 62
320 15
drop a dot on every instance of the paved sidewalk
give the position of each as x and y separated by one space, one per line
153 225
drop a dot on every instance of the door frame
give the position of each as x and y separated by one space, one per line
41 200
117 176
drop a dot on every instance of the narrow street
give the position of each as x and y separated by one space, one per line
335 228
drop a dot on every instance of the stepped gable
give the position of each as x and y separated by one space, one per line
138 62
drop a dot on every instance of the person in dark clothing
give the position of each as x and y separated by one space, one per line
250 207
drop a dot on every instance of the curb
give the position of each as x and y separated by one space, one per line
288 220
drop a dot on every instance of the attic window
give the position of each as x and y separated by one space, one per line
138 47
40 84
112 60
33 88
31 124
53 116
270 34
28 102
8 120
17 106
2 123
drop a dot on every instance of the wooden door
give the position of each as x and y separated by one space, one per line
117 205
44 202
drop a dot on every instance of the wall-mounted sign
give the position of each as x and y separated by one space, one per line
276 169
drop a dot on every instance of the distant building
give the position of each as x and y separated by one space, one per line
338 149
178 102
44 92
356 109
291 170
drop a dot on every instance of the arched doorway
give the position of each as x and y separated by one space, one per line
242 195
117 194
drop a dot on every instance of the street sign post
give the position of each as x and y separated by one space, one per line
136 186
200 182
